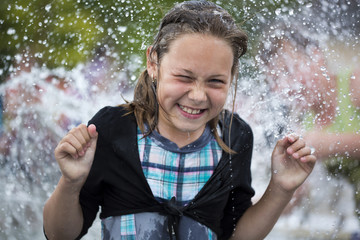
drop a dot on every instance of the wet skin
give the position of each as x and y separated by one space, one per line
193 84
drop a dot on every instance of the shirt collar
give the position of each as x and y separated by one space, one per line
197 145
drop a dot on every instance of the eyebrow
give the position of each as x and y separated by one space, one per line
192 74
187 71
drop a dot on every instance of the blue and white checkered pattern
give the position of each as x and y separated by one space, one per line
127 226
173 174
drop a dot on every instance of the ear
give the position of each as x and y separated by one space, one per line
151 63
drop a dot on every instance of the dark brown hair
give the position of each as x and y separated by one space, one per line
185 18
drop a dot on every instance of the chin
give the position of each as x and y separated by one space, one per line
188 128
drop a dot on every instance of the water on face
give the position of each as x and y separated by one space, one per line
42 102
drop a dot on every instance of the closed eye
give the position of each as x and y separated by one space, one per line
185 78
216 81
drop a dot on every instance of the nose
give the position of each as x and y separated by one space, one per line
197 93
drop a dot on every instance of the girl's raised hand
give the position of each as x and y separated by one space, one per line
75 153
292 162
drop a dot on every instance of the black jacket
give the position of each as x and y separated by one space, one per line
117 184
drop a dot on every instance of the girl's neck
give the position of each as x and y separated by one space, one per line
181 138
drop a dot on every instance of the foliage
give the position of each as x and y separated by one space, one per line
68 32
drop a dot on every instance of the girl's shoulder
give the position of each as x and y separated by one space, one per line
111 121
231 120
111 114
236 131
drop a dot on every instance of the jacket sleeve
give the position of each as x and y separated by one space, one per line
240 196
91 192
239 201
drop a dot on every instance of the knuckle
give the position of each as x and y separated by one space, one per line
67 138
82 126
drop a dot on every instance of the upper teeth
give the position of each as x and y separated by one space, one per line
189 110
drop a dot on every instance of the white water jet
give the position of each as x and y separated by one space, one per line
42 113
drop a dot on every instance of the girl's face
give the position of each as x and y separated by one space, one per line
195 76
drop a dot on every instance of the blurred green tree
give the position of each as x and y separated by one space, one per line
56 33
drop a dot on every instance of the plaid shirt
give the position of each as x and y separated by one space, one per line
171 171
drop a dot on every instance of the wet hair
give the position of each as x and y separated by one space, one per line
201 17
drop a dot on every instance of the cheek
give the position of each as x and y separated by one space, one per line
167 92
218 98
162 96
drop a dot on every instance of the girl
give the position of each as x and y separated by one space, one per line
173 163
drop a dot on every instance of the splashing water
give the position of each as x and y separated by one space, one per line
319 211
41 113
43 104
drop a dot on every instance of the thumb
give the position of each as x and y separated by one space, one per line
284 143
92 131
281 146
94 136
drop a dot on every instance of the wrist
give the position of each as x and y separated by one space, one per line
70 187
280 192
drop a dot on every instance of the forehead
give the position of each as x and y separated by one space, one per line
200 40
195 48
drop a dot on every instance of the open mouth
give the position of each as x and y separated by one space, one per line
191 110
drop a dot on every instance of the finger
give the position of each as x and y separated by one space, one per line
84 131
94 136
281 145
296 146
311 159
81 133
301 152
88 133
64 149
92 131
75 141
293 137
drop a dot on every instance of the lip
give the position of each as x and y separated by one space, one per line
189 115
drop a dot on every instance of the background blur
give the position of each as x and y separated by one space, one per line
62 60
65 33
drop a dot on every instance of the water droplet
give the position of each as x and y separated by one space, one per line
48 7
11 31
